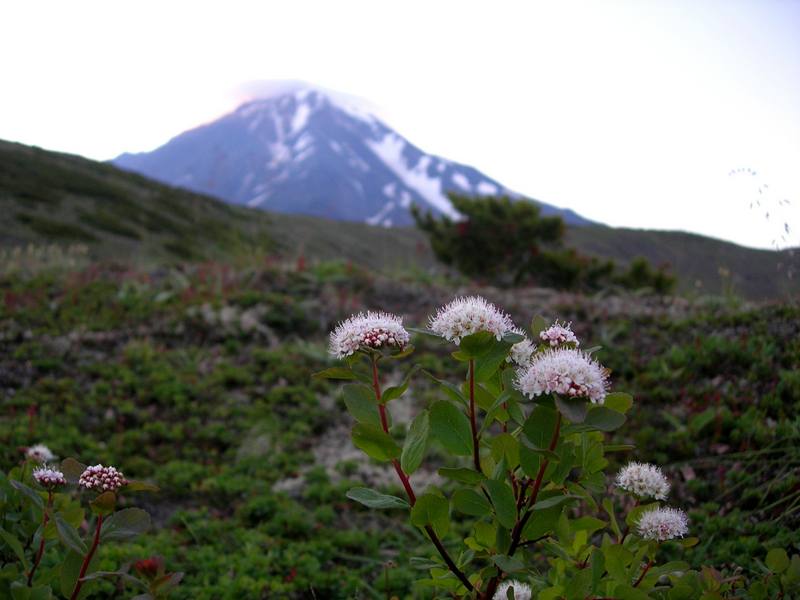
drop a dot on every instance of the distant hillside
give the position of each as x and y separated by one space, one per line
48 197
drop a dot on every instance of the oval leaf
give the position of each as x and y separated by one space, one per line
451 427
375 442
471 503
374 499
416 443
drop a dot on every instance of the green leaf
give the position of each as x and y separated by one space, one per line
135 485
477 344
462 475
609 508
554 501
335 373
360 403
487 365
72 469
416 443
509 564
448 388
70 569
542 523
374 499
69 536
31 494
574 409
502 497
471 503
396 391
539 426
451 427
125 524
16 547
104 504
777 560
506 445
375 442
431 509
618 401
604 419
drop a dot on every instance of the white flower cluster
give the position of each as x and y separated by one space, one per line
102 479
521 352
40 453
522 591
48 477
370 330
564 371
558 334
662 524
467 315
643 480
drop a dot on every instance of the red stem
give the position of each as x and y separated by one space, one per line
88 558
644 572
412 499
516 533
476 451
40 552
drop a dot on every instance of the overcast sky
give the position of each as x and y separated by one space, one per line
631 113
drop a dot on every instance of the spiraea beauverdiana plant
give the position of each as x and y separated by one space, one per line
469 315
372 330
524 433
643 481
565 372
98 486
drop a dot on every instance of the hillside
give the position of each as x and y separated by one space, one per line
48 197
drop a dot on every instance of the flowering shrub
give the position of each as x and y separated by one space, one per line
530 505
41 522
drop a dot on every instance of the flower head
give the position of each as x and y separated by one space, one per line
370 330
522 591
465 316
39 453
662 524
643 480
558 334
102 479
49 477
521 352
564 371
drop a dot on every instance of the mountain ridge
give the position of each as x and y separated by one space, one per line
305 151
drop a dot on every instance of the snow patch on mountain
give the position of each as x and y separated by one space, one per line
390 151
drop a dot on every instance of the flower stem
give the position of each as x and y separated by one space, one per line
516 533
412 499
476 452
88 558
40 552
644 572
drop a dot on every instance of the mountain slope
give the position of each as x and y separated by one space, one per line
52 198
308 152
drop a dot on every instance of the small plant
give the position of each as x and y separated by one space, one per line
44 553
528 502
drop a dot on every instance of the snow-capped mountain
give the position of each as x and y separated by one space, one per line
312 152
